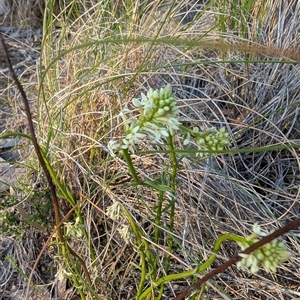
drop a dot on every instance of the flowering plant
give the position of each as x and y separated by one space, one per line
157 120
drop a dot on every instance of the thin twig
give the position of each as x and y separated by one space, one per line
34 139
41 160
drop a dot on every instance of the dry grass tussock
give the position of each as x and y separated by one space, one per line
94 68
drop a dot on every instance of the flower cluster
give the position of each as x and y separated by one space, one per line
268 256
157 119
212 140
116 213
74 229
64 270
126 233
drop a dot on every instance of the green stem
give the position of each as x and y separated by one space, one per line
172 206
173 188
143 248
199 269
157 221
131 166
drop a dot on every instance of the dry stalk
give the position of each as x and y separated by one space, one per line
41 160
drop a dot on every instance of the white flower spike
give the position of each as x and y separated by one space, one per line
156 120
